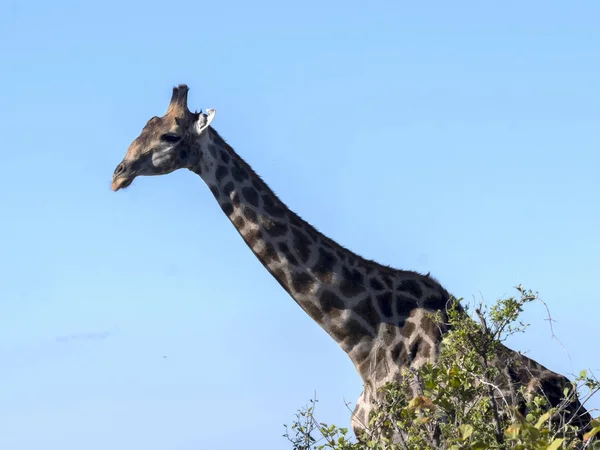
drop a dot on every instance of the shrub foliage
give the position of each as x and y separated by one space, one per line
460 403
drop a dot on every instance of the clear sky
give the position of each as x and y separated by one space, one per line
459 138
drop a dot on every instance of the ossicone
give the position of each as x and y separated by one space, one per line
178 104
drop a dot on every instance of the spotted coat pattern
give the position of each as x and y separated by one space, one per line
377 314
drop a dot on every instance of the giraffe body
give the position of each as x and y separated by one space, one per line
375 313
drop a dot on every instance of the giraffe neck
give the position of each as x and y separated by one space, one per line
352 299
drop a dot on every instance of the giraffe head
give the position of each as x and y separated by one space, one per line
165 144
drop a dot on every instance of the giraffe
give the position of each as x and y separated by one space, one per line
376 313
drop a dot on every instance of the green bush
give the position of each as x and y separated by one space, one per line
468 399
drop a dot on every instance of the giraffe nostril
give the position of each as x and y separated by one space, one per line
120 169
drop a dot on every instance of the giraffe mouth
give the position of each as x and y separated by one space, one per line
121 183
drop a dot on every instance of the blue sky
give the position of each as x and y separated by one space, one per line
460 139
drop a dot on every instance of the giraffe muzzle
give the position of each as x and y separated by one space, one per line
122 177
120 183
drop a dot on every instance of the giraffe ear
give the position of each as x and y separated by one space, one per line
204 120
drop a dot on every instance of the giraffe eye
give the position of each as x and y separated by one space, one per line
170 138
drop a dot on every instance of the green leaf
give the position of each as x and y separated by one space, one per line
556 443
479 446
542 419
591 434
465 431
513 431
